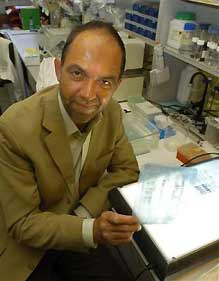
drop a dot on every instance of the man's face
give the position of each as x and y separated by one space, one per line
89 75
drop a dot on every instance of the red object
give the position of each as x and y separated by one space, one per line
13 17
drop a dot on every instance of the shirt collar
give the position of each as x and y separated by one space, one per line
70 125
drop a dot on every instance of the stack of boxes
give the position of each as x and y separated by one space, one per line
142 19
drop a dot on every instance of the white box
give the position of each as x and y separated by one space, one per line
132 86
134 53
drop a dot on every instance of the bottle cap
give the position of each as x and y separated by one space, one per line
195 39
213 29
185 16
204 26
200 42
190 26
213 46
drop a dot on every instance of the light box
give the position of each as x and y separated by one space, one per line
179 208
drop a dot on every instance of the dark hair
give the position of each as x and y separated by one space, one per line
92 25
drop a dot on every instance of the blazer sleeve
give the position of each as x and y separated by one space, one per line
20 203
122 169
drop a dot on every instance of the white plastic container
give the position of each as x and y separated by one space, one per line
184 87
176 28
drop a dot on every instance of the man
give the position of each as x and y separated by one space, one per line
61 151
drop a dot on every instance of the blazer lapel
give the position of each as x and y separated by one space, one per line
57 140
90 155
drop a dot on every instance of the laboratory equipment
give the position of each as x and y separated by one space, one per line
190 233
184 87
206 80
212 53
141 133
134 52
142 19
186 39
162 124
176 28
213 34
212 130
202 42
216 61
195 38
129 86
133 77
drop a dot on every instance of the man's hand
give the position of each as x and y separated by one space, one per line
112 228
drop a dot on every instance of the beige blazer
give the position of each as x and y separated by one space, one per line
37 192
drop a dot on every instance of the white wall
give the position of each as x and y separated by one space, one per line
124 4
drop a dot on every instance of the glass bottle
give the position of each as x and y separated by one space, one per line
195 38
212 49
216 59
213 34
186 39
202 42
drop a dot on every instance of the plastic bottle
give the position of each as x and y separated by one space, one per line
184 88
186 39
176 27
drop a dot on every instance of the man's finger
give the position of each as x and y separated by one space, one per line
117 219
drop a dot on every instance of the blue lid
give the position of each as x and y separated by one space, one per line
204 26
213 29
189 26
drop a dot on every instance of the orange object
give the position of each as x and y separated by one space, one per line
190 150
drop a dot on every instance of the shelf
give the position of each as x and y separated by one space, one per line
137 35
141 15
173 52
141 25
206 2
